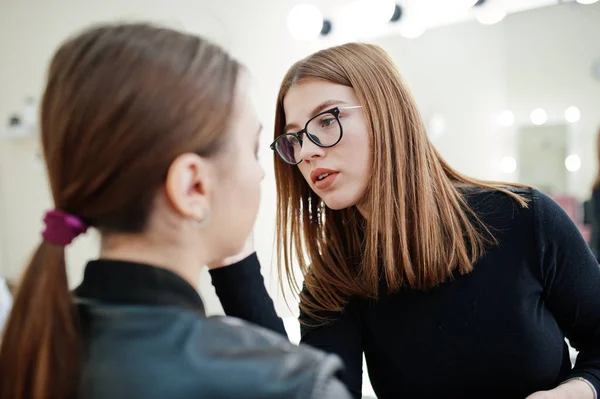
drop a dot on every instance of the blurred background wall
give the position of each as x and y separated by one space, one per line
509 90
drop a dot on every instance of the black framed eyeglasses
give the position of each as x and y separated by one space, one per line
324 130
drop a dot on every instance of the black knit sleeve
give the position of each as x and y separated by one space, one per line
571 278
242 292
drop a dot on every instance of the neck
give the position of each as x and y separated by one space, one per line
139 249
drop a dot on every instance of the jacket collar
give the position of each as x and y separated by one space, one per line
129 283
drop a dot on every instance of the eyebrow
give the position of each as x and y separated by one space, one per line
319 108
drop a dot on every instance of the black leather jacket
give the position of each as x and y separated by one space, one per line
146 336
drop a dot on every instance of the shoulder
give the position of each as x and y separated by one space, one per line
543 218
261 358
234 332
552 212
207 356
502 209
493 202
508 219
486 200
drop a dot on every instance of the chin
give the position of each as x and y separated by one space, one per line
337 204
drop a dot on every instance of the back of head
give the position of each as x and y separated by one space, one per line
121 103
412 197
124 100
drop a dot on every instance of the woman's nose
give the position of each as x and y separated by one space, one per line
310 150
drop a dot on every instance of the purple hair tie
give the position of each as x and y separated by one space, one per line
62 228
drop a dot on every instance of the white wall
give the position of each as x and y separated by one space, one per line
467 73
457 72
549 55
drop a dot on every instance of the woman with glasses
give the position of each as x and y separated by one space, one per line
451 287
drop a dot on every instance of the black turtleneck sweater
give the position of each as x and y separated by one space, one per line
498 332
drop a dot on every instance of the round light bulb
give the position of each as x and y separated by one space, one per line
305 22
506 118
572 114
538 117
490 17
573 163
381 11
587 1
508 165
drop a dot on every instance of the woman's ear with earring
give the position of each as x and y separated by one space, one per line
188 186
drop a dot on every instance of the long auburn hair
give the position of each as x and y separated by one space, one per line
120 104
420 228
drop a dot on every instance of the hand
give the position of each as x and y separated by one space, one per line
573 389
243 254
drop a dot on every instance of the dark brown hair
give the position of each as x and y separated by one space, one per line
420 228
121 103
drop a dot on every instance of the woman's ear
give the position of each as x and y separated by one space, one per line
188 186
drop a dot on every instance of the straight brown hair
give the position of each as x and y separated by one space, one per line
120 104
420 228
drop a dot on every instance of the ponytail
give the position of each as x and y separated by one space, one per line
40 354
